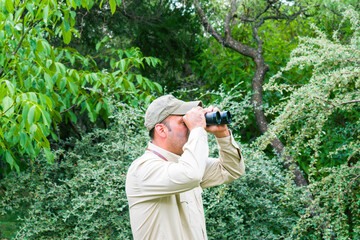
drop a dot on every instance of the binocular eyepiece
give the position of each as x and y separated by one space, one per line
216 118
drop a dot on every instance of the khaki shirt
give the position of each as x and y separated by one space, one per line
165 196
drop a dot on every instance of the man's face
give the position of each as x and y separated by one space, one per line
178 133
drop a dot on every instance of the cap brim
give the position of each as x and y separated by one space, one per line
185 107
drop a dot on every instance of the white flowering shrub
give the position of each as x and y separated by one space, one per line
320 125
254 206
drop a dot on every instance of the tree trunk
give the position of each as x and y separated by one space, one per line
257 81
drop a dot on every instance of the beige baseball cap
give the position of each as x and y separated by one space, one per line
164 106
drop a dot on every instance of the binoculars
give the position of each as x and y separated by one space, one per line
216 118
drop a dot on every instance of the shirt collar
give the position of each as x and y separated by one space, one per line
171 157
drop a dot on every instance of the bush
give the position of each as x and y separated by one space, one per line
82 195
255 206
319 122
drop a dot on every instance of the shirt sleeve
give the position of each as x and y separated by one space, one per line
228 167
154 177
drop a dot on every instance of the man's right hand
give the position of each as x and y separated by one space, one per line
195 118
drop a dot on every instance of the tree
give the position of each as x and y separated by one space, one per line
41 84
164 29
255 14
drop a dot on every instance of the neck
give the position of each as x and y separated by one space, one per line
166 146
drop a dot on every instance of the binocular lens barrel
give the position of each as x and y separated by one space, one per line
225 117
213 118
216 118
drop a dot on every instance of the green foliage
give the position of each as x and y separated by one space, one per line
8 226
314 102
82 195
325 106
165 29
217 65
335 204
253 207
320 125
41 85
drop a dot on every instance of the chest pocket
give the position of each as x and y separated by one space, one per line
191 204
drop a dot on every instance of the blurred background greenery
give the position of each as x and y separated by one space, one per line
77 76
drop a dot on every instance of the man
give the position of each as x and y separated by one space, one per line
164 185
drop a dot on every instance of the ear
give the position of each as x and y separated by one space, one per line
161 130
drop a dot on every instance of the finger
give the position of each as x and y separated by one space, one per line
216 109
209 109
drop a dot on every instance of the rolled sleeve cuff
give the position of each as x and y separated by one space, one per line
224 141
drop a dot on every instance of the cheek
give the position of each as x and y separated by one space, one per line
183 132
186 133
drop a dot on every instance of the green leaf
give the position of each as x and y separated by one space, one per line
10 87
98 107
39 46
66 35
9 6
54 136
100 5
112 6
158 86
122 64
78 3
10 159
49 103
148 99
46 14
7 105
33 129
73 88
72 116
60 68
98 46
48 81
66 25
31 114
91 114
150 84
61 83
139 79
46 118
23 139
49 155
32 96
112 63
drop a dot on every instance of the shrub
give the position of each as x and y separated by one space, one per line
319 122
82 195
254 206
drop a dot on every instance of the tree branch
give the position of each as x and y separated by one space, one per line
228 19
3 113
66 110
352 101
17 48
207 25
270 3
